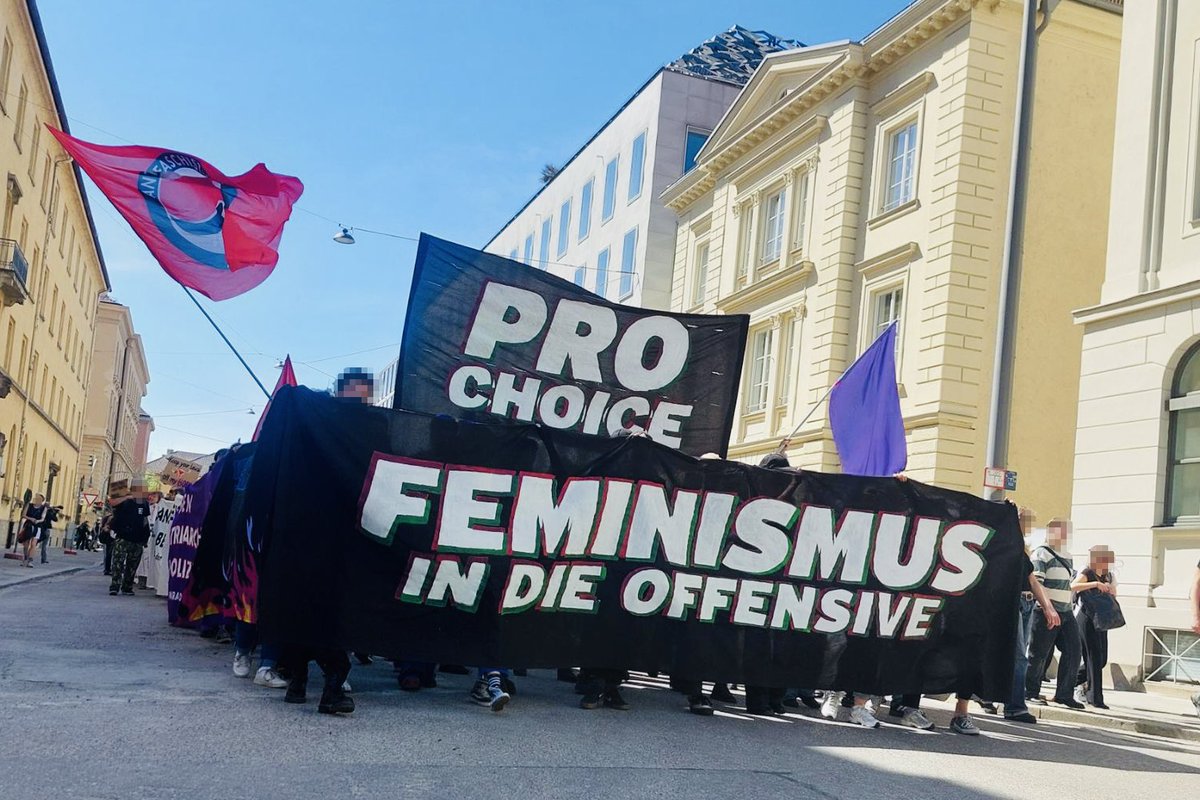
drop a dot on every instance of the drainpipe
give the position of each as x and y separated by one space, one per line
999 411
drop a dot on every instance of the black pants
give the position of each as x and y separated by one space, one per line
334 664
597 681
759 697
108 557
1041 646
1095 656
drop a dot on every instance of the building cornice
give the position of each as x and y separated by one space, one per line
772 287
1137 303
903 254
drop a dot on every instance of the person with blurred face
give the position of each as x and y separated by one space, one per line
131 527
31 527
1096 577
1055 572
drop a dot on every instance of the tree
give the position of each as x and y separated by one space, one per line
549 172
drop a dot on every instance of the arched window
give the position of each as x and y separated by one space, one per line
1183 478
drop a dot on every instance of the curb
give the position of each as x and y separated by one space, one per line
1151 727
45 576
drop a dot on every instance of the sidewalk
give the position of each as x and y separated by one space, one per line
1130 712
12 573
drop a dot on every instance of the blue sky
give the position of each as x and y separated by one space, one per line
398 116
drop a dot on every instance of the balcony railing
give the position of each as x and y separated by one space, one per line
14 273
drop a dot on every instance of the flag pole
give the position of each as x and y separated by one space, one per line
787 439
225 339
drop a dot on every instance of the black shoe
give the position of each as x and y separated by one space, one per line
453 669
129 593
613 699
699 704
364 659
567 675
106 572
721 693
336 702
809 700
113 592
1037 700
760 710
589 701
988 708
791 702
297 692
1070 702
1100 706
778 708
1024 716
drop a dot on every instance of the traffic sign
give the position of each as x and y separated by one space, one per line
88 498
999 478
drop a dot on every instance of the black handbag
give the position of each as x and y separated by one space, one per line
1103 609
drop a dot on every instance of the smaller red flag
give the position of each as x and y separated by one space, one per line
287 377
214 233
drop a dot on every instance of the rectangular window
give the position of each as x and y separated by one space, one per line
610 190
760 361
580 275
31 170
564 227
5 70
529 250
512 254
701 283
772 236
801 222
902 153
888 305
695 141
785 369
544 248
745 246
628 261
62 234
8 345
45 181
602 273
19 123
1185 464
637 164
585 209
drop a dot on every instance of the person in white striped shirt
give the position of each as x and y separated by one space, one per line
1055 572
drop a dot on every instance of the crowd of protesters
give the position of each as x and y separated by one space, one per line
1054 613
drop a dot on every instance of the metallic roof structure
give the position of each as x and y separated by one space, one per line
731 56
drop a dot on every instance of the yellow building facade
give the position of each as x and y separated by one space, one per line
859 183
51 274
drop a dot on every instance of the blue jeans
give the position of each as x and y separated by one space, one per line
1016 702
245 638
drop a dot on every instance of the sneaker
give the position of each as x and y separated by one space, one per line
497 697
589 701
336 703
913 718
700 705
346 686
1101 706
831 706
296 692
112 592
1023 716
241 664
1080 696
988 707
964 725
268 677
479 694
129 593
613 699
861 715
1036 699
1069 703
223 636
809 700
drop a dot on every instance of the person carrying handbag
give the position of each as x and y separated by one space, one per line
1096 612
31 525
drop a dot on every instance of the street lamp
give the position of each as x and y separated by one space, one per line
343 237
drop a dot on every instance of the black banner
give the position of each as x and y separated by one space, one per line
435 539
488 339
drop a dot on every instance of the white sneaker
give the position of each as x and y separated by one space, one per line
346 686
862 715
241 664
1080 695
913 718
267 676
1196 702
831 706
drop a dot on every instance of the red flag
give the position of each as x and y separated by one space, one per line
216 234
287 377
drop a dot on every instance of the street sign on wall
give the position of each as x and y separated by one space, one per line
1000 478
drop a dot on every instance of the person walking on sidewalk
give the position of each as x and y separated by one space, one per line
1096 577
31 527
1055 573
45 528
131 527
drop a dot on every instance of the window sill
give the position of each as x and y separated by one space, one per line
767 267
891 214
754 415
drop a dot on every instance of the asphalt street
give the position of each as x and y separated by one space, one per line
99 698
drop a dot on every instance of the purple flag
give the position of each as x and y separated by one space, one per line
182 541
864 411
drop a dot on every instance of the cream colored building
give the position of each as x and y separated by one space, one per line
113 449
1137 449
856 183
51 272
